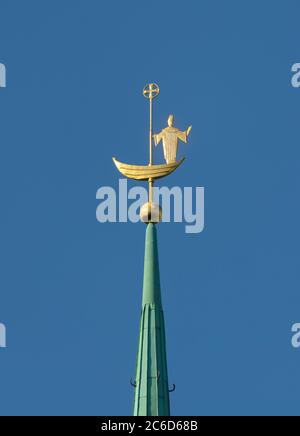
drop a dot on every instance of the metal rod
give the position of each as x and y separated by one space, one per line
150 195
150 190
150 133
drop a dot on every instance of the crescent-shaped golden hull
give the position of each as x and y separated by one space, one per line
146 172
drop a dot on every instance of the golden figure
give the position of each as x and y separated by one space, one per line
169 137
151 212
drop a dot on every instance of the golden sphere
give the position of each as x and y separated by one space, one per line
150 213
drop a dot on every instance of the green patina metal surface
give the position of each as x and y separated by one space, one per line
151 396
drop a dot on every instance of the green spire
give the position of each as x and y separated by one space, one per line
151 396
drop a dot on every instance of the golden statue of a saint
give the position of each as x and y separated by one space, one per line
169 137
150 211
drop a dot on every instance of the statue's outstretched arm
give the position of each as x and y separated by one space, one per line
157 138
188 131
182 135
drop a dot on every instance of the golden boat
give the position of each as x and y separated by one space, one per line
146 172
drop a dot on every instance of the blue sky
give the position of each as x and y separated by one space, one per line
70 287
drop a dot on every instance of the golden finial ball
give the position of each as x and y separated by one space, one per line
151 213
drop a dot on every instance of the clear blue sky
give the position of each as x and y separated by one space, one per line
70 287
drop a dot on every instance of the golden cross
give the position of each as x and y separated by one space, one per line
151 90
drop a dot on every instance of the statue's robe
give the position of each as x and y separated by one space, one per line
169 137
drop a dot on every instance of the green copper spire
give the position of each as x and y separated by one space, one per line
151 396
